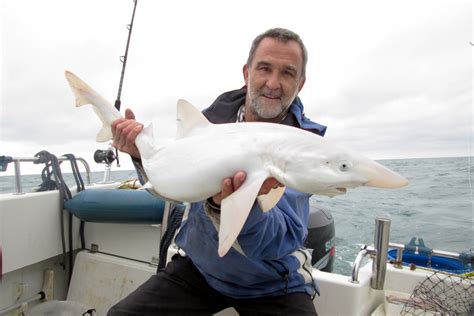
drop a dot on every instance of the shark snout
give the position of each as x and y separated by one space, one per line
382 177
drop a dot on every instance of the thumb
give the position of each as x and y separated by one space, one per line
129 114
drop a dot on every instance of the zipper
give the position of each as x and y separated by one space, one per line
313 285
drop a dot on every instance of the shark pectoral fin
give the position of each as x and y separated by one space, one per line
235 210
189 118
269 200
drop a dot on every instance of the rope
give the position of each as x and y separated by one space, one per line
52 168
174 221
75 172
80 187
46 174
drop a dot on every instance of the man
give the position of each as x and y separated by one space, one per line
267 270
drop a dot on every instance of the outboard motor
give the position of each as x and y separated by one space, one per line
321 238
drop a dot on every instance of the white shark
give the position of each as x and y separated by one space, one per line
191 168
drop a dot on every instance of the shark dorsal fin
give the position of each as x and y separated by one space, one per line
189 118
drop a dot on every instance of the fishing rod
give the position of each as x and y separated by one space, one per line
123 58
108 156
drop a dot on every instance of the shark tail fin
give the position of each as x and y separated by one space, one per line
105 134
106 112
80 89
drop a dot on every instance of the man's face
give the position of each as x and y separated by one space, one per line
273 80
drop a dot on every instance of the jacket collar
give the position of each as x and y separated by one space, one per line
225 108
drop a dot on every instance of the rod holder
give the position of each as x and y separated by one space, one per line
379 264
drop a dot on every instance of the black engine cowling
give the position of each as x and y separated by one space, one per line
321 238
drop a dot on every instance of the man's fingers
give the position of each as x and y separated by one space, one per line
120 127
115 123
227 188
129 114
229 185
131 131
268 185
134 133
238 179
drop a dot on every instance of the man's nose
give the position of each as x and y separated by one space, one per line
273 81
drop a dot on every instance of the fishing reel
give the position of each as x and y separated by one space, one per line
105 156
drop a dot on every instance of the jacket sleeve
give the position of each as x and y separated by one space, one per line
278 232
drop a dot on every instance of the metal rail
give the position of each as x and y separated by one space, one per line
379 254
440 253
364 251
16 161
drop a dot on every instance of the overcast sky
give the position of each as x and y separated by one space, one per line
390 79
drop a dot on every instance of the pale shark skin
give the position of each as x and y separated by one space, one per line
191 168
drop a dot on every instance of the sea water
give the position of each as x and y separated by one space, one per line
437 206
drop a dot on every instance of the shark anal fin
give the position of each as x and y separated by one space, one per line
268 201
236 208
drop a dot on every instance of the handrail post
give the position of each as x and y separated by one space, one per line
17 177
88 169
379 264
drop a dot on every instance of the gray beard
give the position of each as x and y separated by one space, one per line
276 113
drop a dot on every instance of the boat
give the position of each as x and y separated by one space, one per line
114 254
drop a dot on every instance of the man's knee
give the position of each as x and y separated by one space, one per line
113 311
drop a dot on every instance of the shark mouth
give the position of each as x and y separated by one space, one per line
342 190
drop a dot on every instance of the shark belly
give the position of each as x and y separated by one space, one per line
191 169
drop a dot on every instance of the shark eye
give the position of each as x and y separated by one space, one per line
344 165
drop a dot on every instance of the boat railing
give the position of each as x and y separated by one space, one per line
379 253
400 248
364 251
17 160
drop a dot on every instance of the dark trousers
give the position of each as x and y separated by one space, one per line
181 290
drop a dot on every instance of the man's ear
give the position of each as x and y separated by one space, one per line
245 73
300 86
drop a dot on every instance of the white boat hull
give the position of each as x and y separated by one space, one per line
30 238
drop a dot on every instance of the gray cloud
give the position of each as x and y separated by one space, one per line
392 81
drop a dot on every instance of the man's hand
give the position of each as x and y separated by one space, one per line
229 185
125 132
